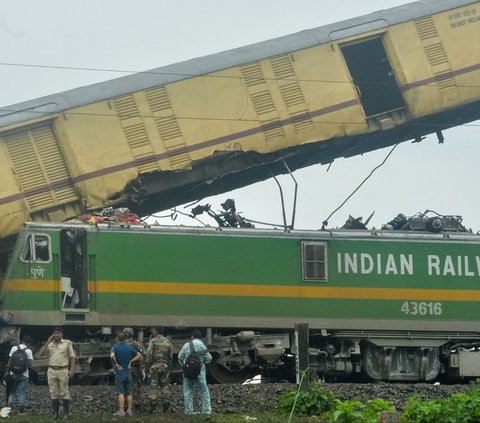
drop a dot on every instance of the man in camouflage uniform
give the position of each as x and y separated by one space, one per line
137 376
157 365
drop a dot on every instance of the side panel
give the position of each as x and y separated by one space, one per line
241 280
377 284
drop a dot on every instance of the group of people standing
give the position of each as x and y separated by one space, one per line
61 367
157 363
132 365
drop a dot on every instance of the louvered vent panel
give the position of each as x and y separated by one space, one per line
137 136
126 107
168 128
180 158
135 133
273 131
40 168
292 95
140 146
435 53
263 103
25 163
445 81
158 99
54 164
302 122
252 74
426 28
282 67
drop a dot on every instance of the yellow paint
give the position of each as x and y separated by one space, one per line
107 144
318 292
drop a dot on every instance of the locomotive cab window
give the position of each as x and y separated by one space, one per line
314 261
37 248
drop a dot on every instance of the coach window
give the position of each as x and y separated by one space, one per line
37 249
314 260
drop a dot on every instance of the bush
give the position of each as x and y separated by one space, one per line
462 407
357 412
316 401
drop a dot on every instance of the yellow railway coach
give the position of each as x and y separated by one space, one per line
159 138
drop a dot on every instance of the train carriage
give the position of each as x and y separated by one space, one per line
160 138
388 305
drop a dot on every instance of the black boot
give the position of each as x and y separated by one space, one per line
66 404
55 406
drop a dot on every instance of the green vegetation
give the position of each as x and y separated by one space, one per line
357 412
316 405
318 401
315 401
462 407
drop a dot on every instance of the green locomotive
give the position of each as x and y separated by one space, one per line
390 305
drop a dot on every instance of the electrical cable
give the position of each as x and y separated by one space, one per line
206 75
325 222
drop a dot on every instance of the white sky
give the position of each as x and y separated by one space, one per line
125 35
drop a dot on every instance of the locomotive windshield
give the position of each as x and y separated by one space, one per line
37 249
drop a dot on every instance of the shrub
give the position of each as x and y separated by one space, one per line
462 407
316 401
357 412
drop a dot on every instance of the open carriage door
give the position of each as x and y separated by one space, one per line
73 270
372 74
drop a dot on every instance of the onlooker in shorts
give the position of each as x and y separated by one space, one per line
123 355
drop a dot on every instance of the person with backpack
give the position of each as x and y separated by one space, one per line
192 357
20 359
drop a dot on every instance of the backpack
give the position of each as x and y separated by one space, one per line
193 364
19 361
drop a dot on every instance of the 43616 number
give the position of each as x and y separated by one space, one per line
421 308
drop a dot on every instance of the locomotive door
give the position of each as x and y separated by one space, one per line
73 270
373 76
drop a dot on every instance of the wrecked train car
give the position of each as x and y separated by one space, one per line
160 138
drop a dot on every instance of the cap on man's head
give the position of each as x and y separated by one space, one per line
128 331
58 329
159 329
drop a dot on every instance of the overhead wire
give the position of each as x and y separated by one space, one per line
114 115
213 74
325 222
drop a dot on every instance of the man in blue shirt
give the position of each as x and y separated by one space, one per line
123 355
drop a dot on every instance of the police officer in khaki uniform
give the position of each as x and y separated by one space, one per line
61 367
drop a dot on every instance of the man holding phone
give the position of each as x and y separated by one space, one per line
61 367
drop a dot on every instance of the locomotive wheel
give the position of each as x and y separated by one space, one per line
220 374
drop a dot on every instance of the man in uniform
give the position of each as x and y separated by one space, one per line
158 364
137 376
61 367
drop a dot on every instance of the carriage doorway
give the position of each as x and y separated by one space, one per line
373 76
